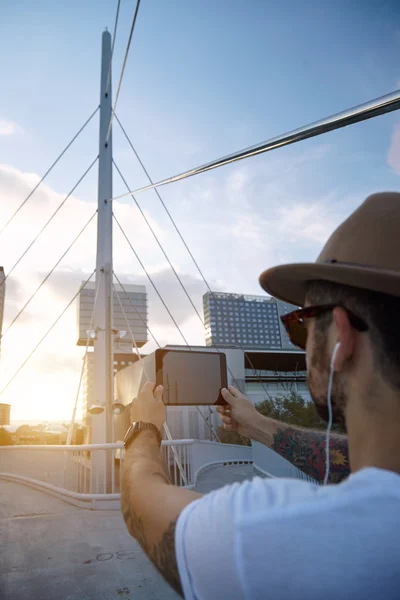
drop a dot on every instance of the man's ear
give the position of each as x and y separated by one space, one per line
346 335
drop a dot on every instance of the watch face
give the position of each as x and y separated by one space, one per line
129 434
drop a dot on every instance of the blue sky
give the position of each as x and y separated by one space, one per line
202 79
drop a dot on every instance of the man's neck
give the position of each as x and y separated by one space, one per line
373 425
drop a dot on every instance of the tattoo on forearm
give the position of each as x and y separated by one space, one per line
162 554
306 451
135 525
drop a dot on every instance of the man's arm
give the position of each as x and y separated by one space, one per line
304 448
150 504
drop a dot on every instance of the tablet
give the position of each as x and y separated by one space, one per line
191 377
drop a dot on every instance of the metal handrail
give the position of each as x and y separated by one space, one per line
77 448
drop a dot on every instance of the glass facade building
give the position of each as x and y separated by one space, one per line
245 321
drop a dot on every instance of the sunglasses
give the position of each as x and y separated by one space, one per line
296 329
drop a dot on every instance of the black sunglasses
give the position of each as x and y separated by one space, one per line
297 331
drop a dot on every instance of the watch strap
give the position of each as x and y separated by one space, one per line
136 428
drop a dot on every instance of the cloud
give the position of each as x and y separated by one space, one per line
173 296
393 157
53 370
257 214
237 221
308 223
65 283
9 128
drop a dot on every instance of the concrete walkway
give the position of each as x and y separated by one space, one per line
216 476
50 550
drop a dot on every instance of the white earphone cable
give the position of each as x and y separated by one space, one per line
330 415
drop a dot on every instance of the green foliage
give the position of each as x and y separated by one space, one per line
289 408
5 438
293 409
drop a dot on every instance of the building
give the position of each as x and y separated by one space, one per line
5 414
130 319
245 321
87 391
54 433
12 432
2 298
134 302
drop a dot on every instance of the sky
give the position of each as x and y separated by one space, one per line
203 79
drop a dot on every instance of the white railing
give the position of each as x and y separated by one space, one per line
87 475
179 457
90 475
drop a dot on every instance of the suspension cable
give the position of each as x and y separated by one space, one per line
128 324
159 346
71 427
50 219
142 363
170 264
152 283
163 301
48 171
140 359
167 309
161 247
123 68
112 47
136 310
374 108
232 329
48 275
45 335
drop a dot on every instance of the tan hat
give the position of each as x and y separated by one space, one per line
363 252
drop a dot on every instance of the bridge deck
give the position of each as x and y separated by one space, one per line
217 476
50 550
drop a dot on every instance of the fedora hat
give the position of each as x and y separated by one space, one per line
363 252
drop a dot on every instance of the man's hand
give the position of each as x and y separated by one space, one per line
240 414
148 406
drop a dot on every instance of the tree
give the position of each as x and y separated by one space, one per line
27 434
290 408
5 437
293 409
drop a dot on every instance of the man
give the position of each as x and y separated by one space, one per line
283 538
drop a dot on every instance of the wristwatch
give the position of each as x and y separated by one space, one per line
136 428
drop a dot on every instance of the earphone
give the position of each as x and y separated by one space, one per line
328 431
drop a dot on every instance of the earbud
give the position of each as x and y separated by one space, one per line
335 351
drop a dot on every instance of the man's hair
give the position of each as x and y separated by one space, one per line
380 311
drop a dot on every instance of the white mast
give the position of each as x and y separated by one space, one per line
103 344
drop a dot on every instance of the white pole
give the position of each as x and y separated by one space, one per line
103 346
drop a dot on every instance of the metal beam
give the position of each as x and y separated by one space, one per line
362 112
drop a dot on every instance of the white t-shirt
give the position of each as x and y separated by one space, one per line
288 539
